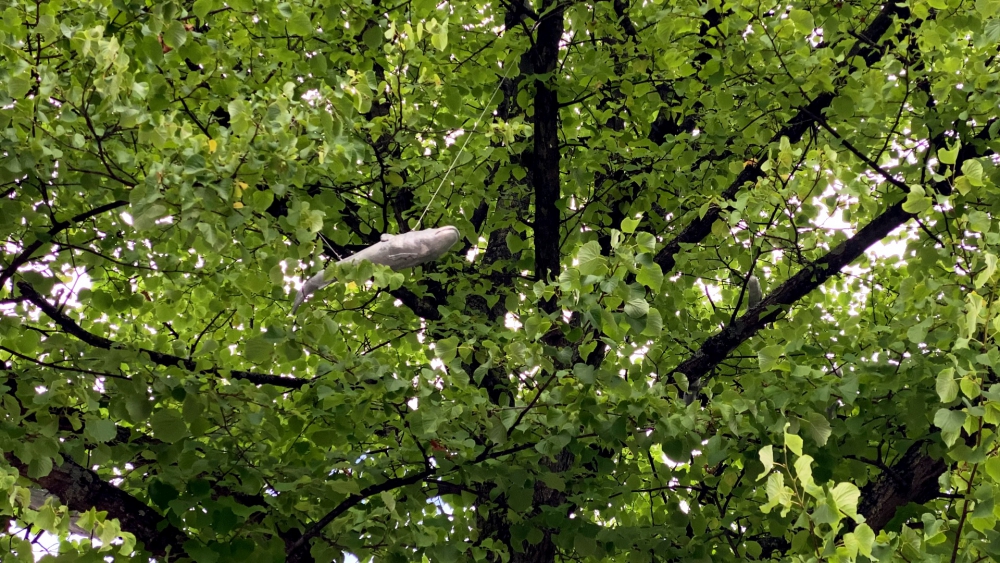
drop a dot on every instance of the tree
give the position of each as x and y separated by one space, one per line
580 377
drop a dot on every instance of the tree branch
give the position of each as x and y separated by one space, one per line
544 164
81 489
794 128
914 478
159 358
715 349
56 228
295 549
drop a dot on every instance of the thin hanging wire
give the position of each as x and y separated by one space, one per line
465 144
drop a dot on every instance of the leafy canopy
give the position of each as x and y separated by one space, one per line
580 378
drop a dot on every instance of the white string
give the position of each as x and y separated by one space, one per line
465 144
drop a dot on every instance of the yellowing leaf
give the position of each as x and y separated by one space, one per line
794 443
846 496
949 156
866 539
212 145
767 458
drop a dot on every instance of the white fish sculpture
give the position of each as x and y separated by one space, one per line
755 295
396 251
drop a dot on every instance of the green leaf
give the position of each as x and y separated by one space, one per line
973 171
39 467
589 259
344 486
949 156
963 185
846 496
950 422
645 242
440 37
988 8
201 8
497 432
239 116
654 323
88 519
446 349
148 218
200 552
299 24
101 429
636 307
650 276
866 539
585 545
917 333
804 475
18 86
629 225
372 37
916 202
769 356
993 468
818 428
169 426
174 35
162 493
946 386
970 387
793 443
991 267
803 21
258 350
777 493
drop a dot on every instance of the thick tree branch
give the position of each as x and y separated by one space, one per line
295 549
715 349
914 478
159 358
81 489
544 165
701 226
56 228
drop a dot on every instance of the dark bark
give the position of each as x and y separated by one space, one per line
544 178
544 166
545 496
914 478
82 489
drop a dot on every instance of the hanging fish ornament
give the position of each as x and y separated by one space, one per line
396 251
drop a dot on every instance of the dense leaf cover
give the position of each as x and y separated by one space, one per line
580 378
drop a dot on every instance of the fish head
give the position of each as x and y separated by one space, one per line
444 237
